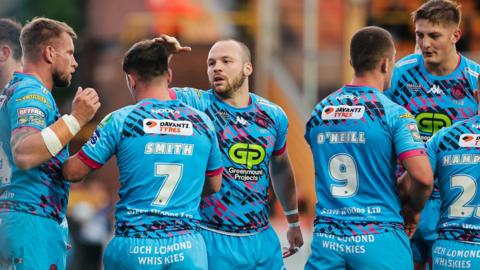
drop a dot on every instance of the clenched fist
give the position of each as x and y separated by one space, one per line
85 104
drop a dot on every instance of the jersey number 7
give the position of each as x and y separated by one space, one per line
173 174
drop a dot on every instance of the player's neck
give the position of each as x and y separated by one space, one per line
6 72
446 67
370 80
159 92
239 99
42 73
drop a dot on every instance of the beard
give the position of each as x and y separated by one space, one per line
60 80
231 86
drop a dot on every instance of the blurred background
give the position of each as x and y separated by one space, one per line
300 54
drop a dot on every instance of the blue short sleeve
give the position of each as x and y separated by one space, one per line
31 107
406 136
215 161
282 130
102 144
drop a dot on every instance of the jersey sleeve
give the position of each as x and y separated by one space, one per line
215 163
30 108
432 147
190 96
102 144
281 122
406 136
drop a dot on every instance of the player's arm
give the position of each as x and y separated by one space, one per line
417 182
213 182
285 188
415 187
96 151
31 147
74 169
213 175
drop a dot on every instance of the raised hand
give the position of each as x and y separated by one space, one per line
85 104
174 46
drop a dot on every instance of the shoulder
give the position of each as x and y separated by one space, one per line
118 114
471 67
392 108
24 91
408 62
195 111
267 105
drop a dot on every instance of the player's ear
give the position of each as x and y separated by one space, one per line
170 76
475 94
456 36
49 54
384 66
5 52
247 69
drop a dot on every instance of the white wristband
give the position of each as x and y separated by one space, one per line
51 141
291 212
294 224
72 123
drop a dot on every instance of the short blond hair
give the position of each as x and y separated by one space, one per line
40 31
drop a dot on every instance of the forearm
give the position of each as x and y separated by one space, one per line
74 169
419 194
31 147
285 188
419 180
403 184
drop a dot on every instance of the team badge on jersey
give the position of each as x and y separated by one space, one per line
414 132
30 111
168 127
342 112
469 140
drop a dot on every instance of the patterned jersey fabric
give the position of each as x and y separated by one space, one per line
248 138
163 150
435 101
356 135
455 157
25 103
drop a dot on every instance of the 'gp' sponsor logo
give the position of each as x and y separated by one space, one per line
342 112
432 122
469 140
247 154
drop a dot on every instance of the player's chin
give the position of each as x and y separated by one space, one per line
432 60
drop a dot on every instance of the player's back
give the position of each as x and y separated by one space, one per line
356 135
455 156
163 150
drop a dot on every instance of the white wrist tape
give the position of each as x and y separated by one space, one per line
51 141
72 123
291 212
294 224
